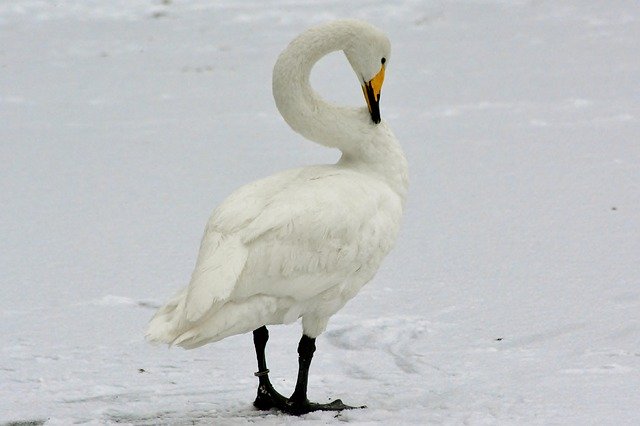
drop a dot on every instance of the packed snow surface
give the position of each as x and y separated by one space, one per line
512 297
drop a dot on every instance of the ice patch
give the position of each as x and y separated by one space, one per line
538 123
12 99
111 300
604 369
580 103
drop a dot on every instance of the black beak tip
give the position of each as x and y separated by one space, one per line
375 113
374 103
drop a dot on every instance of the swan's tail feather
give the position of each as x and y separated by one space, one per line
169 325
220 262
164 326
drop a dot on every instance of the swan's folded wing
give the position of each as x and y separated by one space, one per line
220 262
222 254
315 235
307 236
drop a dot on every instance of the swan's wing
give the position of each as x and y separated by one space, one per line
318 232
223 254
307 230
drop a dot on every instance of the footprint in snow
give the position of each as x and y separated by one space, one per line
395 336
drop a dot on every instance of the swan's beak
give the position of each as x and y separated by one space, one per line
371 92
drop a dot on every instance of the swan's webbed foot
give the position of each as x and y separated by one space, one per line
298 408
269 398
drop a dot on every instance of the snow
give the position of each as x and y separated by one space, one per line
512 297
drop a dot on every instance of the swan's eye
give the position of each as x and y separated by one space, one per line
383 60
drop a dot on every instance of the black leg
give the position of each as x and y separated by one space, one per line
306 348
298 403
267 397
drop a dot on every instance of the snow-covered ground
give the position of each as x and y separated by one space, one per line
512 297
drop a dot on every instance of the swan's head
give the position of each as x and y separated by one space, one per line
368 53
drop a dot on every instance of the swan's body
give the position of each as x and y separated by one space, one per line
303 242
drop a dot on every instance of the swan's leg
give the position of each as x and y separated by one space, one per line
298 403
268 397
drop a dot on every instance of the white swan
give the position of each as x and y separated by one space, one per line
301 243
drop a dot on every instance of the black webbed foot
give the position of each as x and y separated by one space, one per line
299 408
269 398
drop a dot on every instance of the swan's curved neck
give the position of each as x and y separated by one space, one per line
367 147
301 107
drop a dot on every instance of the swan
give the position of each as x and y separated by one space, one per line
300 243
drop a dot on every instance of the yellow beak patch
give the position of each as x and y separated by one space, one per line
376 83
371 92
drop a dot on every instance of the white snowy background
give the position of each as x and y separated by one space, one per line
512 297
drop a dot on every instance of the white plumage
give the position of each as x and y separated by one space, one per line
301 243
